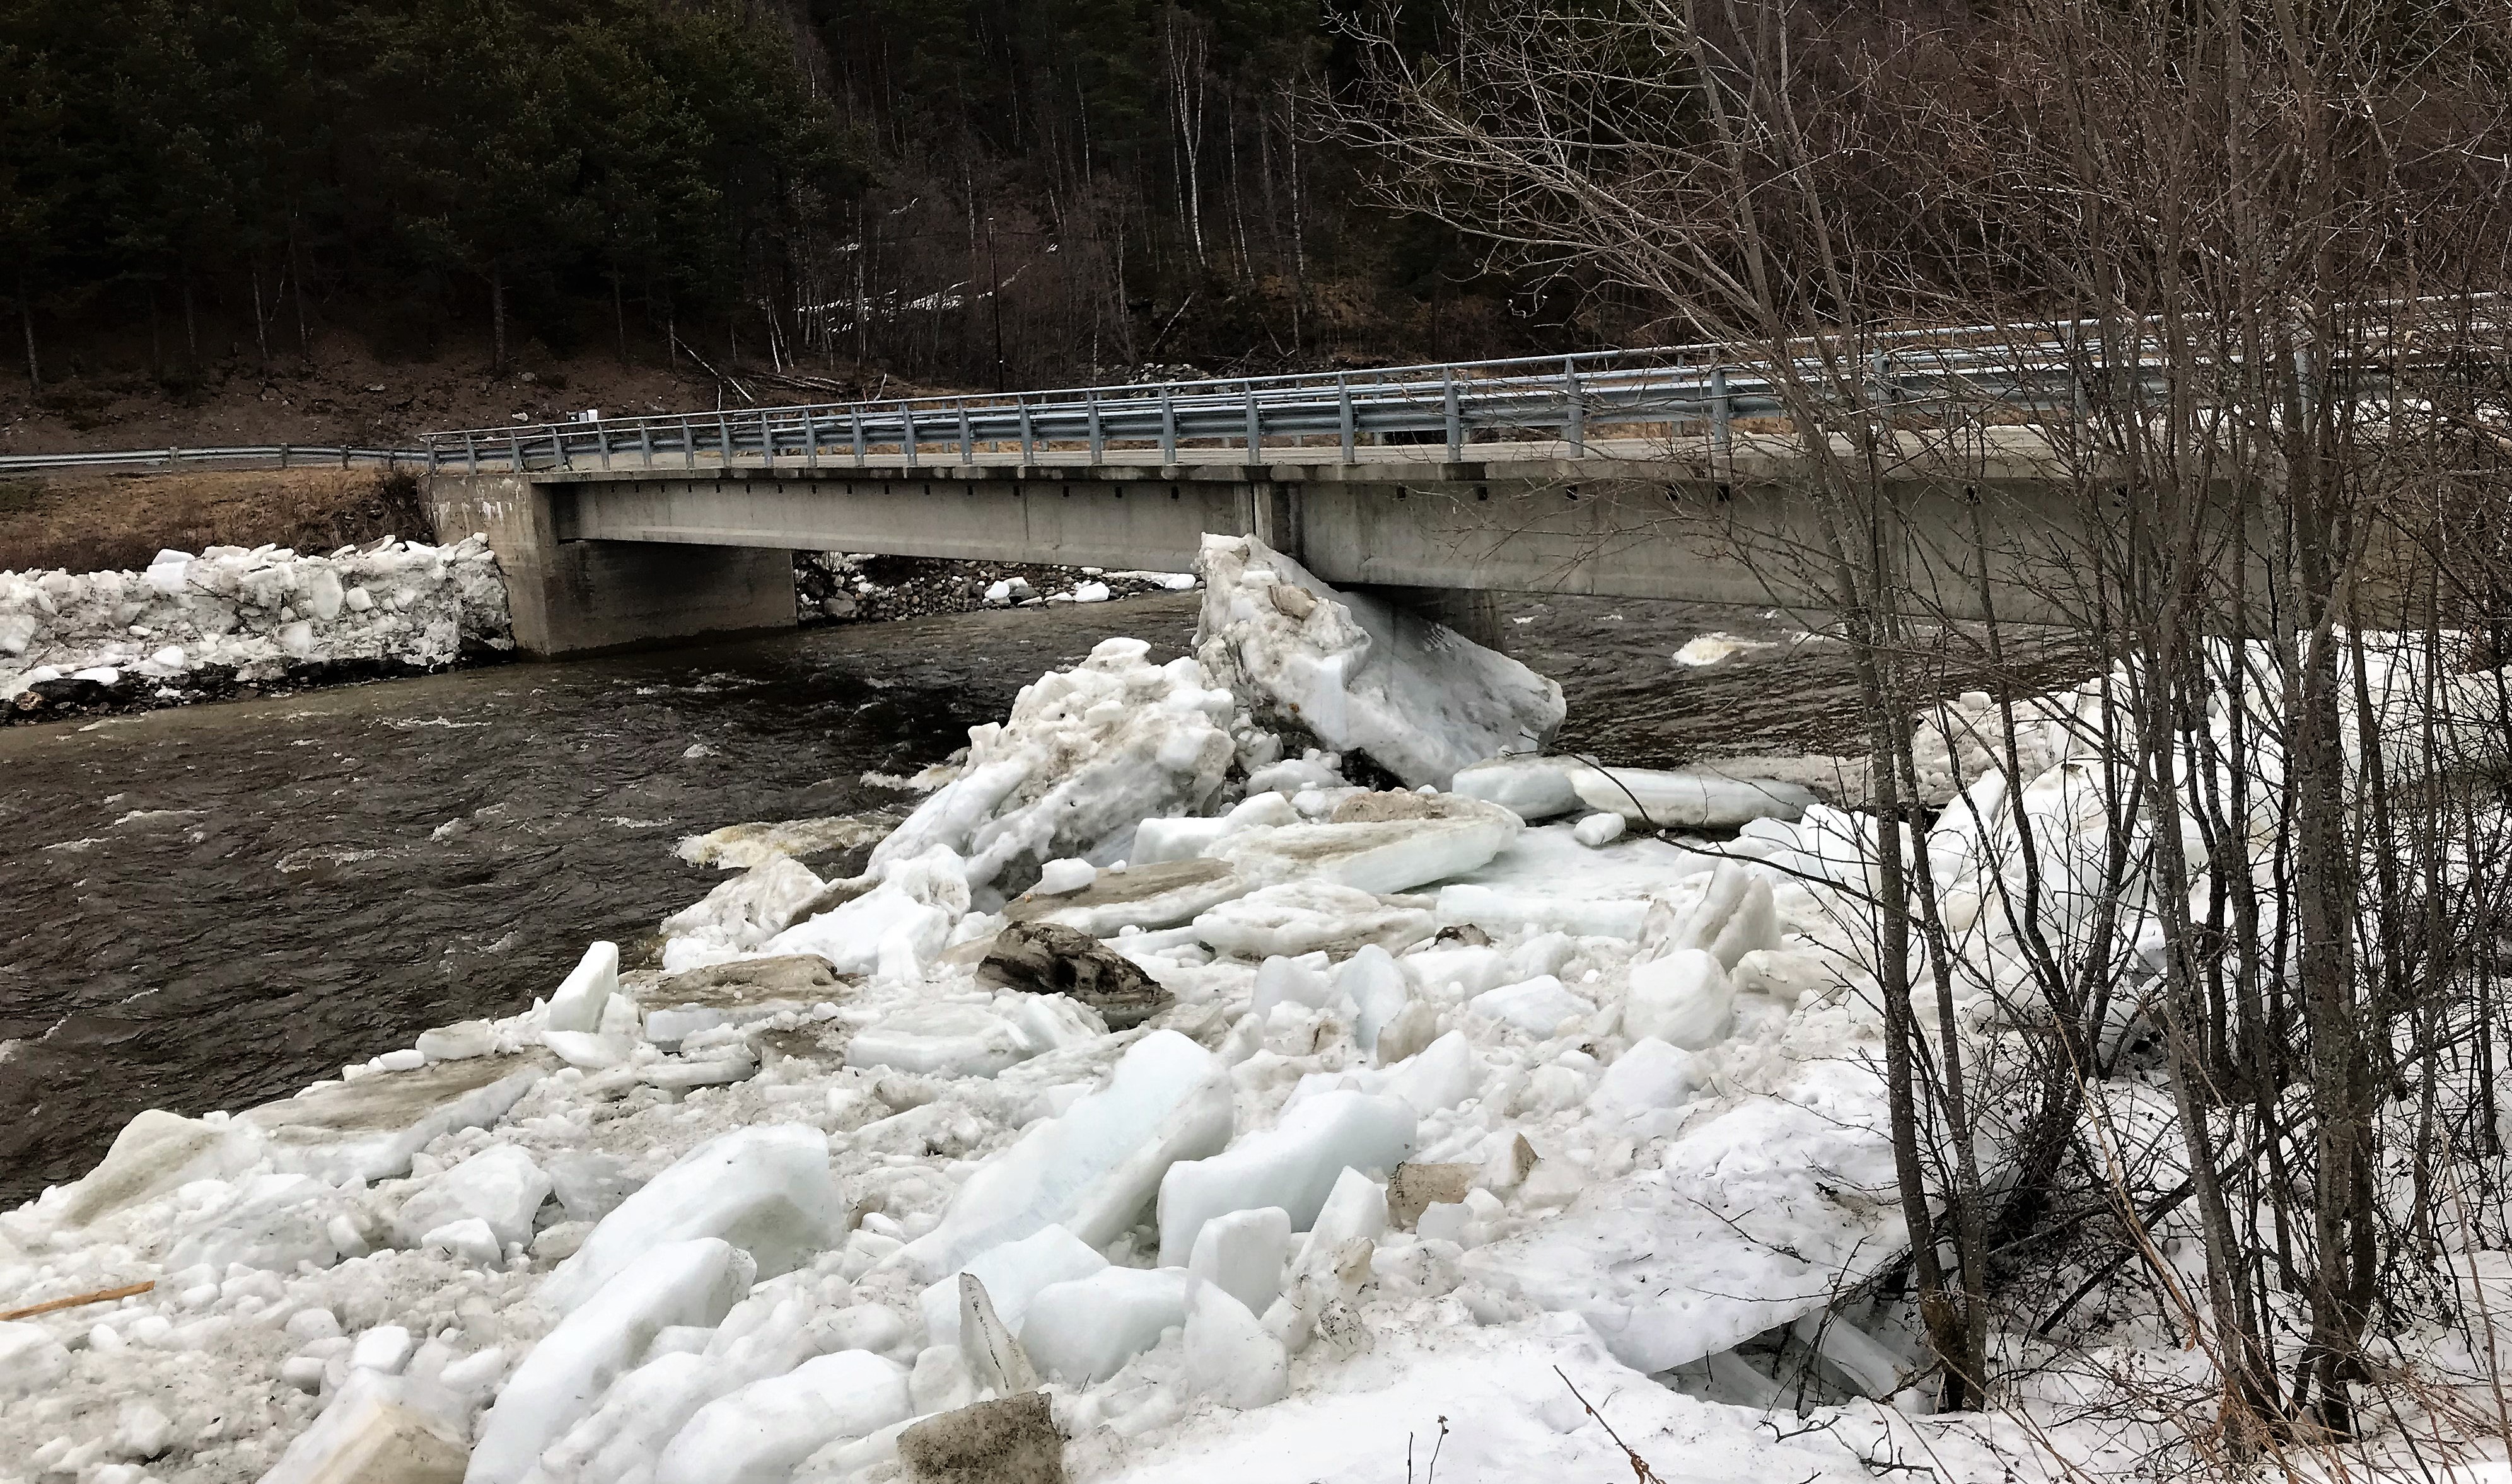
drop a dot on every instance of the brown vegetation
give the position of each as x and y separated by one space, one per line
96 522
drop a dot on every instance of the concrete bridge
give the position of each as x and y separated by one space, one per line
1448 482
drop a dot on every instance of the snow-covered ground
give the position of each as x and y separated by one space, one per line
1277 1128
259 613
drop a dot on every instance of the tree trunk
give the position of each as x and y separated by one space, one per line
27 318
296 279
497 315
260 321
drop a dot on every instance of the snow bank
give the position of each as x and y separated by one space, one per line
257 612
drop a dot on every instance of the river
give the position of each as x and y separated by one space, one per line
213 906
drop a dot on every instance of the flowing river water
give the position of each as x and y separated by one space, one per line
212 906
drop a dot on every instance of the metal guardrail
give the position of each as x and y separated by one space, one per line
281 455
1961 371
1567 397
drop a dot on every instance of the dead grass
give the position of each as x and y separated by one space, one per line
89 523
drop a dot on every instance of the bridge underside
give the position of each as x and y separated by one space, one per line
597 560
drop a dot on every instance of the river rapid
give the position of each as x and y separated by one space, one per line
213 906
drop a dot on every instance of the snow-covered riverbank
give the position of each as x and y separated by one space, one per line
1273 1127
197 623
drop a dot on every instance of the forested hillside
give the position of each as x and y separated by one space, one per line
955 192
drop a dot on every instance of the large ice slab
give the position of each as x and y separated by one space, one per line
1496 1403
666 1284
1536 1006
1705 798
1293 1165
758 1434
1359 674
499 1186
1754 1219
580 998
1422 838
892 930
1530 788
766 1190
1310 916
1162 894
369 1129
967 1040
735 992
1085 1329
155 1152
741 914
1013 1273
1097 1169
369 1433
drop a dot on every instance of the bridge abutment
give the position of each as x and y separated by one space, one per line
575 597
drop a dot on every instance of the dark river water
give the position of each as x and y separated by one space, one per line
212 906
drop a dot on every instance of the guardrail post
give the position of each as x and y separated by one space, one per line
723 437
1574 409
602 430
1721 412
470 454
907 431
967 445
1255 425
514 450
1168 426
1343 414
688 444
646 442
1029 441
1098 434
855 420
810 439
283 456
1456 417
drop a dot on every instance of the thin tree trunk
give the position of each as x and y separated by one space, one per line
297 277
27 318
496 315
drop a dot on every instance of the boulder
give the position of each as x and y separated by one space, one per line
1045 958
1009 1441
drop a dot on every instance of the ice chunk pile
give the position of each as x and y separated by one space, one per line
1408 1094
1086 755
257 612
1358 673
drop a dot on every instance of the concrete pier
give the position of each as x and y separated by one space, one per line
576 597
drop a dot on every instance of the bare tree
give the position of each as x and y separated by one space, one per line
2237 257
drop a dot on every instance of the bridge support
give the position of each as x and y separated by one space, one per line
573 597
1471 612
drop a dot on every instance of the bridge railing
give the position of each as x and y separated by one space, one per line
256 455
1569 399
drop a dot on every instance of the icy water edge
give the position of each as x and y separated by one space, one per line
212 906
